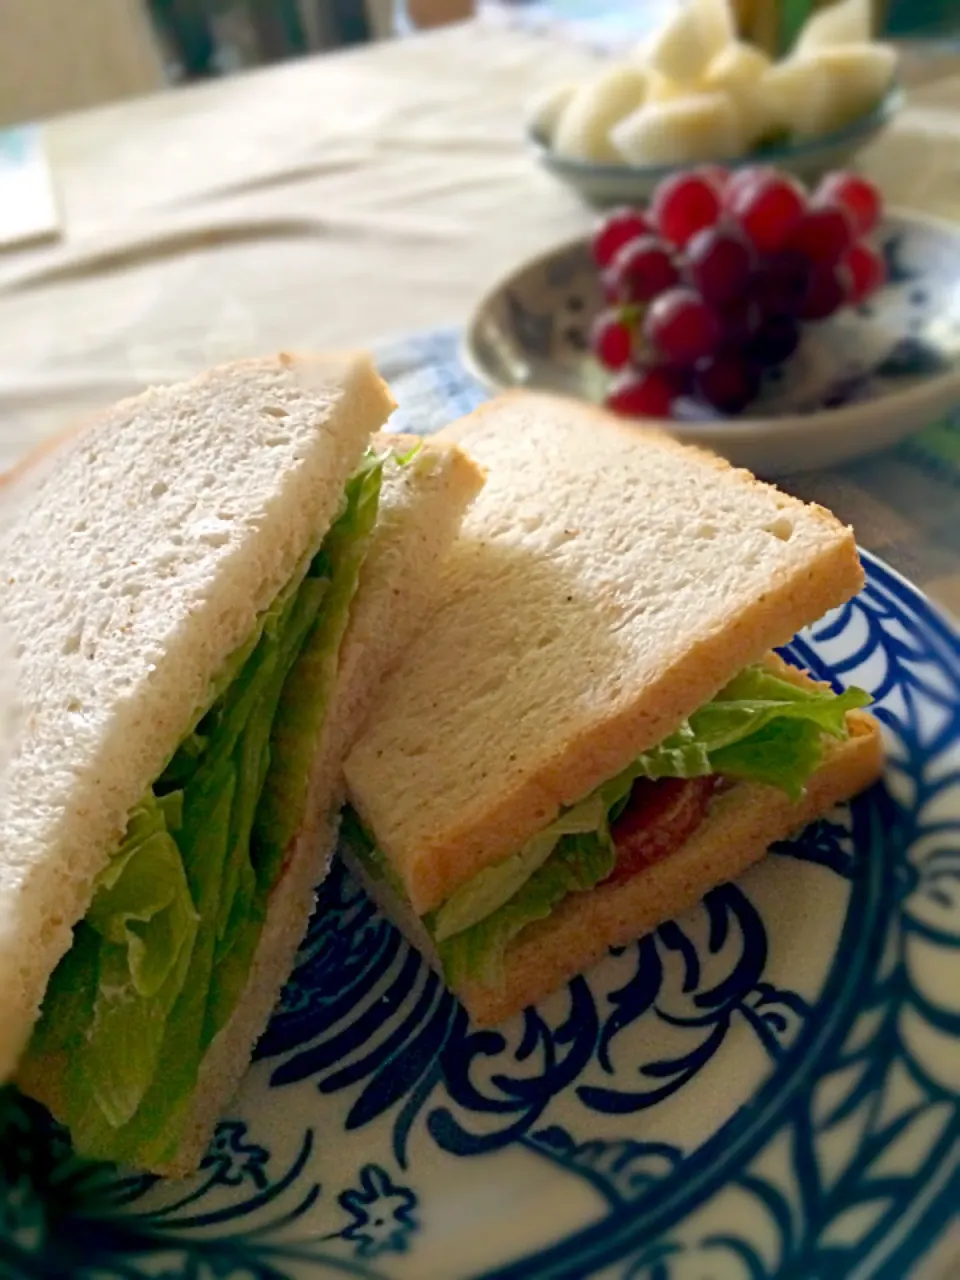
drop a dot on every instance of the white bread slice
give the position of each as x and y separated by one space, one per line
147 545
739 829
607 582
421 508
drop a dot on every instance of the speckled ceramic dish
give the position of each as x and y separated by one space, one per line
606 184
858 383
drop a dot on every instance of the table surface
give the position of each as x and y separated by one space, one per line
338 200
341 199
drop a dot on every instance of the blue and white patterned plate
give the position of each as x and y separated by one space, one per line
766 1087
858 383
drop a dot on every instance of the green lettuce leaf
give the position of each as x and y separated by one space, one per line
375 862
164 952
576 863
289 721
494 886
241 903
142 902
759 728
108 1001
147 924
306 694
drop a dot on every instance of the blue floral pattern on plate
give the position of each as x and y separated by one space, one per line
766 1087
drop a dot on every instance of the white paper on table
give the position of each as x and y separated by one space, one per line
28 206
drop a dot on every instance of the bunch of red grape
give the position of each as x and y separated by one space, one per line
711 284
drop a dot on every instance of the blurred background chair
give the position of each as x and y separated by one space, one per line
61 55
188 32
435 13
938 19
207 37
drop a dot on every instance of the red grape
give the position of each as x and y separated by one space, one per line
828 290
859 197
758 260
868 272
769 210
682 327
716 175
781 284
644 393
611 339
682 205
728 382
824 235
739 321
608 285
775 342
748 176
718 263
642 270
617 229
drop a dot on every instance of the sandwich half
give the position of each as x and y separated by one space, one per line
203 589
595 731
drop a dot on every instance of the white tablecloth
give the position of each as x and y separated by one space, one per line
339 199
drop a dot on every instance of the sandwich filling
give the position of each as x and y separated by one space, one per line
164 952
759 728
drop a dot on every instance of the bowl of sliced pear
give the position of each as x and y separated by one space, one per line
694 92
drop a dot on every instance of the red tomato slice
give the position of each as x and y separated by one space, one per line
660 816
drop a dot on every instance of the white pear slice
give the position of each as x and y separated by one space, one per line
680 49
717 24
794 96
859 74
847 22
737 70
736 66
662 89
702 126
683 45
822 92
546 108
582 130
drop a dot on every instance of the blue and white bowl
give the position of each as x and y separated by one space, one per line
859 383
610 184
